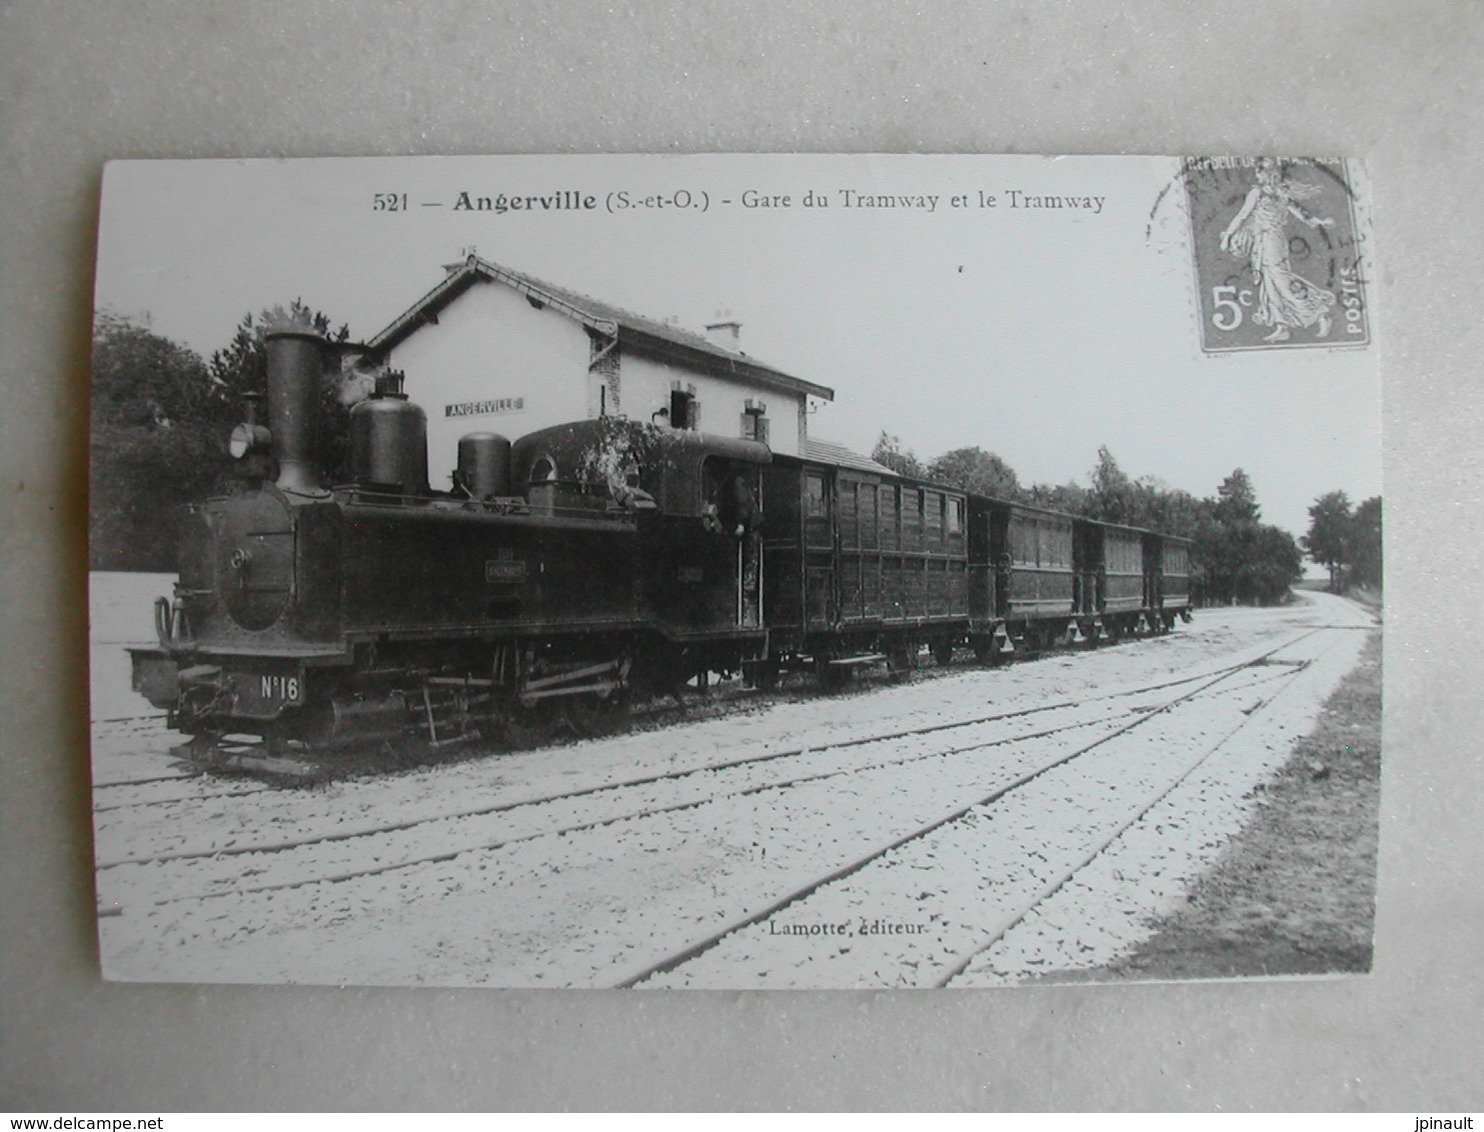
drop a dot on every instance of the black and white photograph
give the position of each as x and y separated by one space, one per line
735 572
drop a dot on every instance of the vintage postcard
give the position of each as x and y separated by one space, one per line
735 571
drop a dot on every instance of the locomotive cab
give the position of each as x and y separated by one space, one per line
695 498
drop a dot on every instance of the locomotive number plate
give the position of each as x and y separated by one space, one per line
504 570
263 695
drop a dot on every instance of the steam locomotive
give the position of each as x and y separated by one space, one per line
578 566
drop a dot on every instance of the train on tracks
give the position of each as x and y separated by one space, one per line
580 565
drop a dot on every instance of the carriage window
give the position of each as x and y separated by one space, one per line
891 517
1053 545
1023 542
932 520
955 517
911 519
849 530
814 495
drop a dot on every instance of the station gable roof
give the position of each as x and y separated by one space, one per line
647 335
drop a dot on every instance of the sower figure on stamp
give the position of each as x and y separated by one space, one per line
1258 233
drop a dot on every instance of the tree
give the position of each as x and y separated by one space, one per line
1112 498
977 471
1071 498
1275 564
1329 537
148 453
1236 502
160 421
1365 543
903 461
1172 511
1247 562
142 378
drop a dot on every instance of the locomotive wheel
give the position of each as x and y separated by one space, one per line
579 717
525 728
900 664
831 677
591 716
765 675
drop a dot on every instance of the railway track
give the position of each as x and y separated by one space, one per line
978 807
169 881
191 779
984 909
671 778
650 716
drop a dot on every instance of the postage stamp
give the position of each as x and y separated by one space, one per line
1279 254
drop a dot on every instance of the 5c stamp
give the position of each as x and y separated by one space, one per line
1280 260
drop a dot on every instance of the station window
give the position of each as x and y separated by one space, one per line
755 421
954 521
685 410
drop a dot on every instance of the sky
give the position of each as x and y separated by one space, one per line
1040 334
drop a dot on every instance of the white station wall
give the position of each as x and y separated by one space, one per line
491 349
495 363
645 385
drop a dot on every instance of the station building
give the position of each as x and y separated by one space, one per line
491 349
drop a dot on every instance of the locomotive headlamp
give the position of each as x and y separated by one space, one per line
250 436
247 439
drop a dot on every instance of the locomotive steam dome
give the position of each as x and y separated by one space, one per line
255 559
389 440
484 465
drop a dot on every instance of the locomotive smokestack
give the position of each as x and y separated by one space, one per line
295 366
